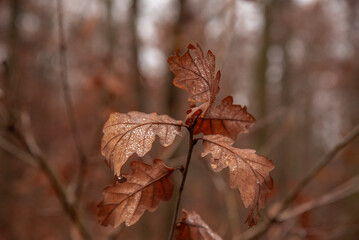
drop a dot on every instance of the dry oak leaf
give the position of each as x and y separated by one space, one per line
248 172
192 227
134 132
126 202
226 119
196 74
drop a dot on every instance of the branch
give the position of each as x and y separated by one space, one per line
192 142
263 226
344 190
18 152
35 156
319 166
68 102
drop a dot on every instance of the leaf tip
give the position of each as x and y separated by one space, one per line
190 46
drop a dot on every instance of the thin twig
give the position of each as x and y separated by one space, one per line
264 226
68 102
344 190
228 33
332 232
17 152
319 166
192 142
55 182
33 156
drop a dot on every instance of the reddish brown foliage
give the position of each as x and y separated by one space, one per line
192 227
225 119
248 172
134 132
196 74
221 124
145 186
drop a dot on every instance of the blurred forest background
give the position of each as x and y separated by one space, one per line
294 63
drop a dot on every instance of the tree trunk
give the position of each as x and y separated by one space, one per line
260 80
136 74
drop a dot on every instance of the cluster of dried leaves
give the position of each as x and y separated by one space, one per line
135 132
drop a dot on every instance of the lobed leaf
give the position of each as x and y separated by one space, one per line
196 74
226 119
135 132
248 172
143 189
192 227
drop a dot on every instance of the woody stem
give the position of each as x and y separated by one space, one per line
192 142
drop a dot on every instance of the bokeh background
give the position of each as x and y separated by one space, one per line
293 63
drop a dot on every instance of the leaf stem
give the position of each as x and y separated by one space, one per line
192 142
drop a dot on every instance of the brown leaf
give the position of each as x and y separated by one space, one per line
192 227
248 172
226 119
196 74
145 186
134 132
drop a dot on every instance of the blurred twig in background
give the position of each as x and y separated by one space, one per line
35 157
308 177
69 106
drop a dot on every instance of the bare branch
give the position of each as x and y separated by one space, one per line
35 157
68 102
263 226
344 190
319 166
17 152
